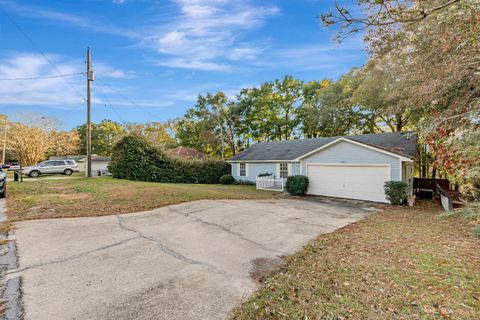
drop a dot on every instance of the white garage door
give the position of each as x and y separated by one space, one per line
364 182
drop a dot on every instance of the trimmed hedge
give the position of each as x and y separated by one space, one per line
227 179
396 192
133 158
297 185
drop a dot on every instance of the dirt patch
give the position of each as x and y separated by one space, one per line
69 196
262 267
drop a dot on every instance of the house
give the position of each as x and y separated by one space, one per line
353 167
186 153
99 163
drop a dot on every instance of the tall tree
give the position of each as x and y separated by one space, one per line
64 143
378 93
287 95
156 133
329 110
104 136
33 137
211 126
270 110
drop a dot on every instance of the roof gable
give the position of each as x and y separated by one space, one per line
399 143
346 140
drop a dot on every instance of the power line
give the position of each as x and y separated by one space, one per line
41 52
130 100
42 77
107 102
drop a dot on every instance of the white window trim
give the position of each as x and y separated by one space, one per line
246 169
400 169
289 169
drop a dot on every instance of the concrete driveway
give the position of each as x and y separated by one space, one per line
187 261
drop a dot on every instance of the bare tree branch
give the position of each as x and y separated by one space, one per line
388 13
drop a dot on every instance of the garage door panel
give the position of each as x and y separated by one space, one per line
362 182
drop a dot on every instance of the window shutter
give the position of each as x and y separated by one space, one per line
246 169
289 166
277 171
238 169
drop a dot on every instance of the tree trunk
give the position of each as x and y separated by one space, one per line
400 122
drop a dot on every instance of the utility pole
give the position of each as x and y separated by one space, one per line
4 140
90 77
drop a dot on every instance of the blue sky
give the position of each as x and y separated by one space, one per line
159 54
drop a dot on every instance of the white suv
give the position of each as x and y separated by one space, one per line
66 167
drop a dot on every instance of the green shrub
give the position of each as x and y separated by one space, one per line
135 159
227 179
396 192
245 182
297 185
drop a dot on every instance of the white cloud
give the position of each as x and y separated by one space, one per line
196 34
329 56
197 10
105 71
193 64
205 35
55 92
243 53
79 21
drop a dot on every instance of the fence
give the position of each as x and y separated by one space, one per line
425 183
269 183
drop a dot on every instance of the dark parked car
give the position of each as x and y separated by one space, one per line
11 165
3 183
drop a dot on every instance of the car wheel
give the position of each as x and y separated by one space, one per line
67 172
34 174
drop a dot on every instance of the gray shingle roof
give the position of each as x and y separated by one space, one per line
401 143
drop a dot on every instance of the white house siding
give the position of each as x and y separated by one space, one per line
295 169
345 152
96 166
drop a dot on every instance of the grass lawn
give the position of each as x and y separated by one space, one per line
82 197
404 263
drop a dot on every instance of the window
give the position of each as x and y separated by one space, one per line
243 169
59 163
70 163
47 164
283 170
